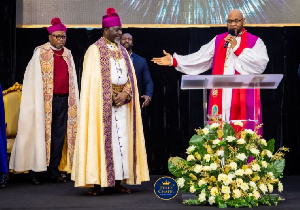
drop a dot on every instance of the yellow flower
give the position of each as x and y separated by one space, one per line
280 187
205 131
190 158
220 133
225 189
213 179
192 189
256 178
202 182
198 156
244 167
193 176
233 165
209 150
237 193
207 157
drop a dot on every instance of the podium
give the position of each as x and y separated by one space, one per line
256 82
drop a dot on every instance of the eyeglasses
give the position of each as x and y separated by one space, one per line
235 21
59 36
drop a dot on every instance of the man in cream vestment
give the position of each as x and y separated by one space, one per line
110 146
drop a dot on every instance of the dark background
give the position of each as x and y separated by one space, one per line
173 114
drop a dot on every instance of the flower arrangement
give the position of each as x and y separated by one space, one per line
230 167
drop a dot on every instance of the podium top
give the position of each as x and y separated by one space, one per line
250 81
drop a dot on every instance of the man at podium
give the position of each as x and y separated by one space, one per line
233 52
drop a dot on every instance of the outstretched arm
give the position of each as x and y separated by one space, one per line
163 61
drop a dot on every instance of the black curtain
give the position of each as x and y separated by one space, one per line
174 113
7 42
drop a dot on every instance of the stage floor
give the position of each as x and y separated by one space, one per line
20 193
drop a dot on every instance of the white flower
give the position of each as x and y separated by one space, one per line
205 131
249 131
269 154
253 185
237 193
214 125
244 186
192 189
263 188
254 151
239 182
264 164
227 180
198 168
206 168
239 123
225 189
263 142
226 196
220 153
233 165
213 166
180 182
256 194
217 141
190 149
239 172
211 200
201 182
214 191
207 157
271 175
280 186
255 167
190 158
231 175
241 141
230 138
221 177
248 171
241 156
270 187
202 197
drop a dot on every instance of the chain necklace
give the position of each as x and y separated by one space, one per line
116 52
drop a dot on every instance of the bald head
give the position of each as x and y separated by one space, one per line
235 13
236 21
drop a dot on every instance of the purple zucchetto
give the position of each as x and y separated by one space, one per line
111 18
56 26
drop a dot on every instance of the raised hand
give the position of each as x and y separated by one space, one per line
163 61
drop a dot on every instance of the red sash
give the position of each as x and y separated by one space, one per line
238 105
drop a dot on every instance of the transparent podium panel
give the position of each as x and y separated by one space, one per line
255 82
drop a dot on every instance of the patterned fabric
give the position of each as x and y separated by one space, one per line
46 61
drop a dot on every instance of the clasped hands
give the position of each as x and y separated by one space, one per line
119 98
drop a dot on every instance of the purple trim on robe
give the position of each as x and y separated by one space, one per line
130 75
107 108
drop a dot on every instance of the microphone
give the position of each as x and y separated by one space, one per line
231 32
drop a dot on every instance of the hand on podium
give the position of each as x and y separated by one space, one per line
163 61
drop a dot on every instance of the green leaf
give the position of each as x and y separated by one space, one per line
228 130
277 167
199 142
177 165
270 145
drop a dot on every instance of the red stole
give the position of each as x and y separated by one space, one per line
238 105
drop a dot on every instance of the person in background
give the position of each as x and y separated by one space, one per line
144 80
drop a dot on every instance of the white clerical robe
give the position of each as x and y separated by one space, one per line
119 121
250 61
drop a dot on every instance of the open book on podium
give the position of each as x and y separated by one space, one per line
253 81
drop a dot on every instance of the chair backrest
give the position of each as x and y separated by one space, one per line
12 100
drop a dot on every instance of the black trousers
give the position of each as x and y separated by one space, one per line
58 132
